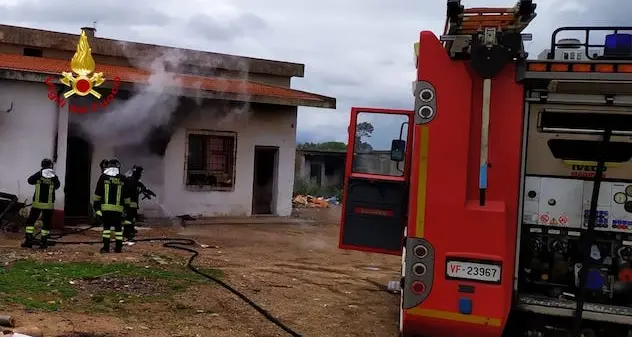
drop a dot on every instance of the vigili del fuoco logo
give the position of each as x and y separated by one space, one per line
84 83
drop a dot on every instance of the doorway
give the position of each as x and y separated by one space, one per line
78 167
264 189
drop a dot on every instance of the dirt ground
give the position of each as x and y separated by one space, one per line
294 271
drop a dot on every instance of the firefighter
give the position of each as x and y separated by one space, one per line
135 187
46 183
110 199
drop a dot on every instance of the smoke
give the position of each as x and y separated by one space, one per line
152 105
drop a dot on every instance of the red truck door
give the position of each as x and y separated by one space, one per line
375 196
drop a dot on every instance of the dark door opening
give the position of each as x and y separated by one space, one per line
264 188
77 186
316 174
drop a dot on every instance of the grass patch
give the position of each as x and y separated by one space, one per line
52 285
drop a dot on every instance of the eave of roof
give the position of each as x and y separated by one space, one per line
40 38
37 69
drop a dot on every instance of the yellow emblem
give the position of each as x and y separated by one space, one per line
83 65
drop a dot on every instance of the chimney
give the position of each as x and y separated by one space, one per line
89 31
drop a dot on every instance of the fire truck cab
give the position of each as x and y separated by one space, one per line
507 190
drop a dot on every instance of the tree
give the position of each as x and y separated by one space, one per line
326 146
363 130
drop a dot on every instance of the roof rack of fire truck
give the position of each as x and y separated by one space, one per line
612 62
465 24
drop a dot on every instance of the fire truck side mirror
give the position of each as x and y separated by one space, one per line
398 149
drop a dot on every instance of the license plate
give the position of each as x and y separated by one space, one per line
475 271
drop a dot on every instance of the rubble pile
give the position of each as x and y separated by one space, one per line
311 201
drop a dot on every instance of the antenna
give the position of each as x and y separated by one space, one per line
94 24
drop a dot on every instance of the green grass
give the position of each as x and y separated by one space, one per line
47 285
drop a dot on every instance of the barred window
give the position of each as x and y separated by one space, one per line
210 164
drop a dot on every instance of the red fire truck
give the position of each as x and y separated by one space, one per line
508 189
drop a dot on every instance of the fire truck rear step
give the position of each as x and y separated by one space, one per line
566 308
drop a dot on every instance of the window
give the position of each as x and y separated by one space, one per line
375 133
35 52
579 56
210 161
565 55
572 55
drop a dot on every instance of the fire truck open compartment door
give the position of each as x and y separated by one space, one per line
376 180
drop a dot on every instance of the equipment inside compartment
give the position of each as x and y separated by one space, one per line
551 258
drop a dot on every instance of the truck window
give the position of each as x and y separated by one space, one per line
374 135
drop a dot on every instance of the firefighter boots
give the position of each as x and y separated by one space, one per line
28 241
118 247
129 233
106 246
43 242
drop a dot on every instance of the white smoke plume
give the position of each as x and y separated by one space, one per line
151 105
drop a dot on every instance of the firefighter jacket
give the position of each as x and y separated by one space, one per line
111 194
44 196
136 187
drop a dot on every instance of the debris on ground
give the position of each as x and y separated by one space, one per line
26 331
311 201
7 321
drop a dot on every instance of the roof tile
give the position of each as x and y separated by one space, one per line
136 75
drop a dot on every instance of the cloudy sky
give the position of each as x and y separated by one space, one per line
359 51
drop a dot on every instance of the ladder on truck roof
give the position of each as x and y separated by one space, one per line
491 38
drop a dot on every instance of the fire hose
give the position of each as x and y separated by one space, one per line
183 245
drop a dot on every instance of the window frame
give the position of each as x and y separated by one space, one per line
232 170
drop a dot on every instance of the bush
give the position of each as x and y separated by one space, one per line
310 187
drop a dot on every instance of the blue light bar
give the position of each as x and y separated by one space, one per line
618 45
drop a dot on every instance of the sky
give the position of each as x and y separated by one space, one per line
358 51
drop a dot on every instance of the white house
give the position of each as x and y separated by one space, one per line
214 140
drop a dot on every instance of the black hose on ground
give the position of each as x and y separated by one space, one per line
178 244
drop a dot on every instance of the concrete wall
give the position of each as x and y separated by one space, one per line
330 175
29 131
373 162
264 126
28 134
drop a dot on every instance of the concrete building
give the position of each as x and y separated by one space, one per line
326 169
225 147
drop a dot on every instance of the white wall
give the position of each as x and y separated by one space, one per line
27 135
165 176
269 128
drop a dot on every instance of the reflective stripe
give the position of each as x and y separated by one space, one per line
112 208
116 207
107 233
127 222
45 232
133 204
96 197
30 229
36 198
37 193
42 205
51 190
118 236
